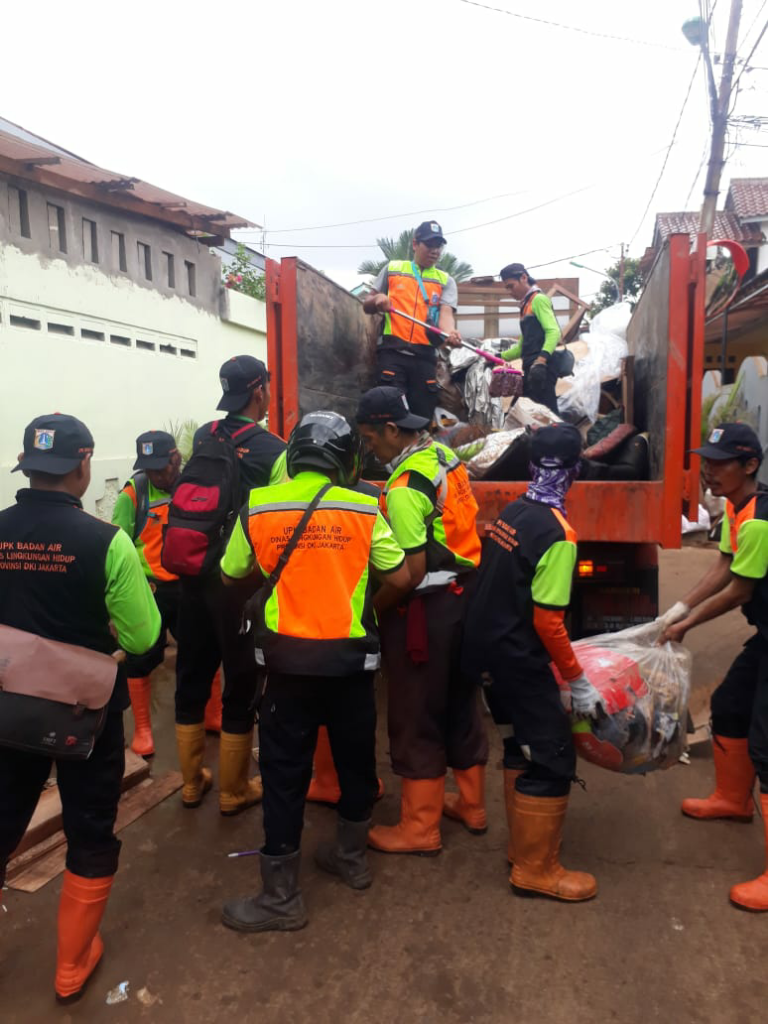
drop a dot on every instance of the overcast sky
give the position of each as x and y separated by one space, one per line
304 113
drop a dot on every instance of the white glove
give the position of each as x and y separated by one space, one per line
585 699
676 613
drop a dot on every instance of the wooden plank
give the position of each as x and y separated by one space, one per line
133 804
47 817
628 388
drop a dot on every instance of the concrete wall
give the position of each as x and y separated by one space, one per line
122 356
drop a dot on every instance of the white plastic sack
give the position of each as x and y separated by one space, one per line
613 320
527 413
582 400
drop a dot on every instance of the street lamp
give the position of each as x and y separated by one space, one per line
601 273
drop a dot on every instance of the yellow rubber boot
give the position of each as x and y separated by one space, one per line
236 791
190 742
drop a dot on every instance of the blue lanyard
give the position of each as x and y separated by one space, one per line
432 309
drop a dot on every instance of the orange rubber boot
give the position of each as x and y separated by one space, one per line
418 830
754 895
81 908
140 690
213 707
510 778
324 787
468 805
734 778
537 870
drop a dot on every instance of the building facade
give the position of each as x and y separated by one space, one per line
111 306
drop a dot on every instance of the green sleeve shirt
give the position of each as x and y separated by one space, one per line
541 307
238 560
128 597
279 472
124 513
386 554
751 559
408 510
551 586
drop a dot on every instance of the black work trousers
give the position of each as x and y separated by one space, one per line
740 704
209 635
539 384
433 713
415 373
290 712
167 597
89 791
524 700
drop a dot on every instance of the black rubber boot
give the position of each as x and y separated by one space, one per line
279 907
347 856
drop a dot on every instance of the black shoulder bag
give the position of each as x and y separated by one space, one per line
256 604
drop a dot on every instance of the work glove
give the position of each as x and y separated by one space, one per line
676 613
586 701
537 381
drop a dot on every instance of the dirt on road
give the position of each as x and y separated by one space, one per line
435 940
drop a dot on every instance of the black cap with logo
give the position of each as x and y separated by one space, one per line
154 449
514 270
55 444
239 376
731 441
388 405
558 445
429 230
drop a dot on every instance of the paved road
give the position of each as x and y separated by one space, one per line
435 940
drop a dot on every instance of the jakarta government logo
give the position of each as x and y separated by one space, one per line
44 439
147 447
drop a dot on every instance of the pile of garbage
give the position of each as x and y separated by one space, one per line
492 435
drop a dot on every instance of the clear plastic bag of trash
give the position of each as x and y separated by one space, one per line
645 689
582 399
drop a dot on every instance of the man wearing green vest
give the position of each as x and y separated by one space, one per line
406 354
540 335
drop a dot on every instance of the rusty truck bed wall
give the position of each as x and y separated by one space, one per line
321 353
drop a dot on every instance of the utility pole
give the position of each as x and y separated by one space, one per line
720 120
621 275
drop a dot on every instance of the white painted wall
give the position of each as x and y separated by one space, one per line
117 390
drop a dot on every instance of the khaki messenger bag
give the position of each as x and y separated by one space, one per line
53 696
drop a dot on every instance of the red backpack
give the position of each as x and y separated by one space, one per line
203 505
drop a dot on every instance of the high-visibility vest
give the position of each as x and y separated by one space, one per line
405 294
149 543
452 540
319 617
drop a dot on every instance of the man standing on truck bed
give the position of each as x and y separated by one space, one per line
209 615
433 710
515 626
406 355
540 335
730 461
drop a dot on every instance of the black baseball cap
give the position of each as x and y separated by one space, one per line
239 376
154 449
514 270
731 441
428 230
55 444
388 405
560 443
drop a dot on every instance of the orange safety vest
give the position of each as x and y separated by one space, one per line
319 617
150 540
405 294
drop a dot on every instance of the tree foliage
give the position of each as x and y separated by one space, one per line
242 276
402 249
633 284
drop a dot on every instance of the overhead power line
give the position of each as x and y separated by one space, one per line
572 28
398 216
669 150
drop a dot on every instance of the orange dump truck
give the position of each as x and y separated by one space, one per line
320 353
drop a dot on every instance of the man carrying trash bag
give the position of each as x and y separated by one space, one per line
731 459
514 628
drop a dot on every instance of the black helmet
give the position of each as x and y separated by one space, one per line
325 440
